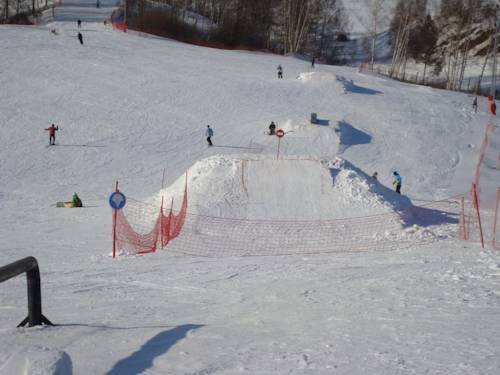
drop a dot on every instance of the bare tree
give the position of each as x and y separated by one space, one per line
375 14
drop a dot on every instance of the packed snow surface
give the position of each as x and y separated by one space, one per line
131 108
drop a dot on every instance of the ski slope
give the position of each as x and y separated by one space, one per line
131 107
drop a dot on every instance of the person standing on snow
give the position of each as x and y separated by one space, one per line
313 62
52 134
79 23
474 104
396 182
80 38
209 133
280 71
375 175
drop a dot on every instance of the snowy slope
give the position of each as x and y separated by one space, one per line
130 107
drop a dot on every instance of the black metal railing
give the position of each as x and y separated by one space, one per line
30 266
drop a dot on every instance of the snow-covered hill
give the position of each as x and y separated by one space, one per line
130 107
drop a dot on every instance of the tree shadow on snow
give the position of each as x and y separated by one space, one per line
350 136
143 358
350 86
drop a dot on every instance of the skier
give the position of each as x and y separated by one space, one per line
79 23
313 61
52 134
396 182
375 175
76 201
272 128
280 71
474 104
97 4
80 38
209 133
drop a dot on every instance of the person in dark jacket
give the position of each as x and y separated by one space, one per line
280 71
80 38
474 104
79 23
272 128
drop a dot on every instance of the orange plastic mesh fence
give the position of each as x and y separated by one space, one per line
216 236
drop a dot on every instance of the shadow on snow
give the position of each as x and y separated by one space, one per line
143 358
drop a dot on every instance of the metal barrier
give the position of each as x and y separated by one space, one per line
30 266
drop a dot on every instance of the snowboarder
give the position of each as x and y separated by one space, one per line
80 38
375 175
76 201
79 23
474 104
52 134
209 133
313 62
280 71
396 181
272 128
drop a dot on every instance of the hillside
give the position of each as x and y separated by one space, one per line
134 108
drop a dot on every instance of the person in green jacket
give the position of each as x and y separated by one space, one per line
76 201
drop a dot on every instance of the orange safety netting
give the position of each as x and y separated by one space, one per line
146 226
203 235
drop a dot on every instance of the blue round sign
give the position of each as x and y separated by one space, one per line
117 200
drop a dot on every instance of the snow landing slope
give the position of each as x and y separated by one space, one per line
129 107
266 188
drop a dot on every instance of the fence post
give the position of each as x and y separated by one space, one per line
476 204
115 211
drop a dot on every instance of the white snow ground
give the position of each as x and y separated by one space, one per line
129 107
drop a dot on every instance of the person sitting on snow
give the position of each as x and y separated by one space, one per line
76 201
272 128
375 175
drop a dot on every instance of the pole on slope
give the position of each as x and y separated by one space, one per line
161 222
115 211
279 133
476 204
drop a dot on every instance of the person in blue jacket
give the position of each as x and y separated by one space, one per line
396 182
209 133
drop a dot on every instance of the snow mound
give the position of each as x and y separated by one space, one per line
36 361
291 189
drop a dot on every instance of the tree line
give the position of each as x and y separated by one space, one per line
284 26
445 41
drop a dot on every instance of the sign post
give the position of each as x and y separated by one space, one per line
280 133
117 201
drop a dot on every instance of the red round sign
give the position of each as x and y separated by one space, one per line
280 133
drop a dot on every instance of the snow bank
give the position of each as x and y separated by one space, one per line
261 187
35 361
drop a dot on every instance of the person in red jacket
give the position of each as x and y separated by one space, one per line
52 134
